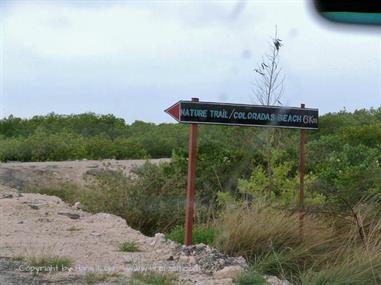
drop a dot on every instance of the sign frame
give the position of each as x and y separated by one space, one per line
175 112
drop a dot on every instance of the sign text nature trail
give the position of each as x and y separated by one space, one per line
244 115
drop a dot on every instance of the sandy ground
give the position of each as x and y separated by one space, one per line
35 225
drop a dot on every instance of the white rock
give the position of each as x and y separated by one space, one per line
95 234
192 260
183 259
142 240
160 237
77 205
228 272
158 240
168 257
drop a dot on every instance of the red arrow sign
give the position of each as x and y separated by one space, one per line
174 111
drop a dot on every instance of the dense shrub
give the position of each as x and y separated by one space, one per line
151 199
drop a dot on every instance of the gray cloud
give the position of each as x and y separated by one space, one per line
115 58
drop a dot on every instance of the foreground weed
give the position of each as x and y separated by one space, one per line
129 247
73 229
44 264
201 234
60 262
250 277
95 277
18 258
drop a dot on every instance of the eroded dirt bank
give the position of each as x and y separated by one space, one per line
34 225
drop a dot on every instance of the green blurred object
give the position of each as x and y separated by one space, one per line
354 18
351 12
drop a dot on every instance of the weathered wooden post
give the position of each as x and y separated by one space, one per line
301 181
191 182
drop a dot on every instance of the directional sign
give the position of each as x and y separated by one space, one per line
244 115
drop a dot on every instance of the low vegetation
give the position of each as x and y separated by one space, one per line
66 192
200 234
59 137
46 262
250 277
18 258
330 251
95 277
73 229
129 247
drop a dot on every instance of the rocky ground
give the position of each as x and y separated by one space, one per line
34 226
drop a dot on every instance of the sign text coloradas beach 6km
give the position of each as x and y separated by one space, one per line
244 115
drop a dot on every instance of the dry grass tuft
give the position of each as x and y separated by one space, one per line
345 250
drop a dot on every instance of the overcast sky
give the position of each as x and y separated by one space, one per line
134 59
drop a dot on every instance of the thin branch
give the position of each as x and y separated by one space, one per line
268 87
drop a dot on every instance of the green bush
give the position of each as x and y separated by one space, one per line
96 277
68 193
151 199
44 261
347 175
200 234
129 247
250 277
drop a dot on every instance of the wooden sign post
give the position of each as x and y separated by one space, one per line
301 181
191 182
195 112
